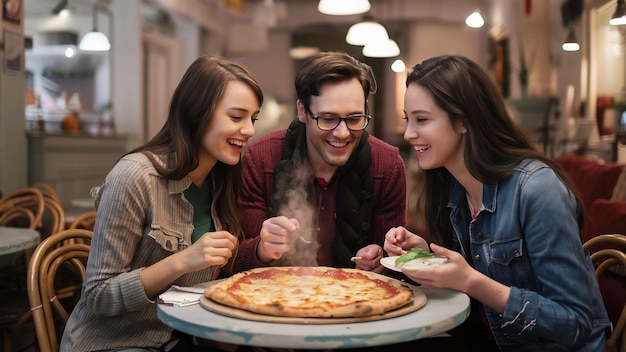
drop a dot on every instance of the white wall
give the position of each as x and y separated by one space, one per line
13 143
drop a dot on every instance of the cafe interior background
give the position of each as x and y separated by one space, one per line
95 105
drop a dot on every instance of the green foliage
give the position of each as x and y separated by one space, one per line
524 70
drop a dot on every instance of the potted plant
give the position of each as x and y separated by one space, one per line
524 70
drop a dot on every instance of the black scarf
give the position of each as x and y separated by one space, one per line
355 191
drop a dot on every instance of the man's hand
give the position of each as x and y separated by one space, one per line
368 258
276 237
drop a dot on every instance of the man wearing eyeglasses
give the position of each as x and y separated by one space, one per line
324 191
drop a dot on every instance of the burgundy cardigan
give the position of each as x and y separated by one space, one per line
387 206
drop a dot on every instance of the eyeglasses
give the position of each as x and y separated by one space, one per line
328 121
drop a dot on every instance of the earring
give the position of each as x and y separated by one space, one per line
464 130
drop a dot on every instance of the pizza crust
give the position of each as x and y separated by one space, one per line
321 292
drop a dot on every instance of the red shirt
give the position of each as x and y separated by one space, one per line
387 205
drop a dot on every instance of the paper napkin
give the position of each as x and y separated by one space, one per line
181 296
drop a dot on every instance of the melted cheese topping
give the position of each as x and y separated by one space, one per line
311 291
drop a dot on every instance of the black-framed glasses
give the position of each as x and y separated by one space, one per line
329 121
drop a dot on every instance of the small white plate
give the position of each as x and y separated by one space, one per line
415 264
390 263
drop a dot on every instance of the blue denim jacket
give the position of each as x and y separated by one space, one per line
526 236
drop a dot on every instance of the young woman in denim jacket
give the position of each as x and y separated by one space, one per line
167 212
502 213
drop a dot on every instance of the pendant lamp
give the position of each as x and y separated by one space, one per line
398 66
61 6
383 48
475 20
619 16
571 44
366 31
94 40
343 7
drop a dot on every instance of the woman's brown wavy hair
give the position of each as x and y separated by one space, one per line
494 144
191 109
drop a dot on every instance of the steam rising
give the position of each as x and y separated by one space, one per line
296 206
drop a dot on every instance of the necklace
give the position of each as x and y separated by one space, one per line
474 212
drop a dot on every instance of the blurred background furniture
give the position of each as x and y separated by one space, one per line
602 188
66 250
29 198
86 220
72 165
608 253
21 213
31 214
19 210
534 115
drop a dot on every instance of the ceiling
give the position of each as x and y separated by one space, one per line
43 8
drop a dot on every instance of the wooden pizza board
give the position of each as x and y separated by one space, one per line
419 300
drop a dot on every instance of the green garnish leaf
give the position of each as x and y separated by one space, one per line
414 253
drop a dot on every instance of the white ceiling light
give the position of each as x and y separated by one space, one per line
366 31
619 16
571 44
70 51
398 66
475 20
94 40
385 48
343 7
303 52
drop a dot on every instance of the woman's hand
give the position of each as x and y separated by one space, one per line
458 275
454 274
399 240
211 249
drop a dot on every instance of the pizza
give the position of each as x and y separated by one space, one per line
313 292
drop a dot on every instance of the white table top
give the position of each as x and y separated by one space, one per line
444 310
17 239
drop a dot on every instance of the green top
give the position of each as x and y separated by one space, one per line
200 198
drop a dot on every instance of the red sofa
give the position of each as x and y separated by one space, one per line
602 189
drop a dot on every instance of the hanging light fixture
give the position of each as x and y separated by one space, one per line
398 66
60 7
475 20
383 48
366 31
343 7
571 44
94 40
303 52
619 16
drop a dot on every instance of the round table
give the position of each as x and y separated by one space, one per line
17 239
444 310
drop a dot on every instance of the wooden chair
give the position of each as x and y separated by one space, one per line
22 208
86 220
53 217
26 197
608 253
47 190
18 215
52 255
54 213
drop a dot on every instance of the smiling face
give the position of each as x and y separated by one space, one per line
231 126
436 141
328 150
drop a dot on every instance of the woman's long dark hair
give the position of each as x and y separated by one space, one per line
191 109
494 144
